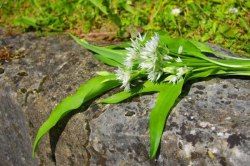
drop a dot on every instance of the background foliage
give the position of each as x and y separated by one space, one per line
223 22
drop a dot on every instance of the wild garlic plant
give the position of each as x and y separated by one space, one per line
151 62
161 64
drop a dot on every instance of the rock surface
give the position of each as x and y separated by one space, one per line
209 126
14 136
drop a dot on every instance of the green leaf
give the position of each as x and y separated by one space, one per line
203 72
165 101
242 63
174 44
120 45
205 48
87 91
145 88
103 73
107 61
190 49
106 55
98 4
202 47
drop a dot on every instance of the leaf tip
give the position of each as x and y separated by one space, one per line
152 152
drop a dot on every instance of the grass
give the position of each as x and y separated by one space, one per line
222 22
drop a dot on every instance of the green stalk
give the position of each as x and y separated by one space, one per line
226 63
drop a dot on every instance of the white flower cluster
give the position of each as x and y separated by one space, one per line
124 74
124 77
149 58
150 61
176 73
133 51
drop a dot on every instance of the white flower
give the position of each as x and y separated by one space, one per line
172 79
182 70
133 51
167 57
233 10
176 11
124 77
149 58
151 46
180 49
178 59
153 76
131 55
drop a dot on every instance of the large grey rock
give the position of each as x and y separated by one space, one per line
15 145
51 68
209 126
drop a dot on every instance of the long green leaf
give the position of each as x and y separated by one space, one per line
203 72
189 49
165 101
205 48
109 54
119 45
87 91
147 87
107 61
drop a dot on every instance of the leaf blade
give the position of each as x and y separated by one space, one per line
105 53
165 101
147 87
85 92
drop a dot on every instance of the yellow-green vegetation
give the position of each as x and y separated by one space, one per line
223 22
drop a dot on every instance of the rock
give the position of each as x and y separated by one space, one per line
209 126
14 136
223 106
50 69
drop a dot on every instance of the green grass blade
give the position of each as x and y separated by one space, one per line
106 53
165 101
26 21
87 91
99 5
